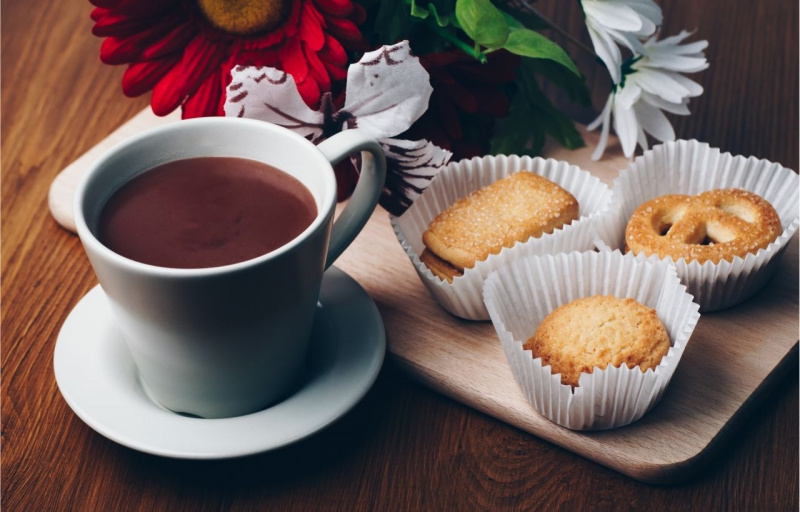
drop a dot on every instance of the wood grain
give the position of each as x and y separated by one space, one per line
404 447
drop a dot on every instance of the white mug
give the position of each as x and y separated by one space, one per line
231 340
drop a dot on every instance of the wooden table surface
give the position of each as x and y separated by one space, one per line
404 447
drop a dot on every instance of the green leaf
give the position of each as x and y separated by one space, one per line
431 13
417 11
442 21
482 22
528 43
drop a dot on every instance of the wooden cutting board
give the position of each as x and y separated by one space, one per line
735 358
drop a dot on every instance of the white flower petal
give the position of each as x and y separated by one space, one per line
627 127
614 15
672 41
680 109
654 122
387 90
605 118
629 39
648 28
607 51
691 48
271 95
628 95
647 9
659 83
641 138
680 63
694 89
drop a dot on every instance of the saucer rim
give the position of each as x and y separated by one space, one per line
374 349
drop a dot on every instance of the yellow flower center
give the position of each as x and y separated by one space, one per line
245 17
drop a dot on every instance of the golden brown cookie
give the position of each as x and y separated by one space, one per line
513 209
713 226
599 331
438 266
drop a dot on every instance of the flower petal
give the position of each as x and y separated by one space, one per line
672 40
605 119
200 58
207 100
647 9
310 29
271 95
654 122
123 22
335 7
333 52
677 63
309 90
694 89
641 139
387 90
659 83
680 109
607 51
140 77
342 28
628 95
628 39
156 42
293 61
317 69
411 165
615 15
626 126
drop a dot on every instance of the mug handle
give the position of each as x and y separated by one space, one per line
368 189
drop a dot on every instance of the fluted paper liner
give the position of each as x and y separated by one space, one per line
463 297
521 293
692 167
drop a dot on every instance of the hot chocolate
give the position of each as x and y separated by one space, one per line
205 212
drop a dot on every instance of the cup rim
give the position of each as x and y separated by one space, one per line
88 238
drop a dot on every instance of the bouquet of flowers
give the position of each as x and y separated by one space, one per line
432 80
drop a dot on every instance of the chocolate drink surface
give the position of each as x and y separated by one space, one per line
205 212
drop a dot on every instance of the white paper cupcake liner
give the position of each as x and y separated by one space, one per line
463 297
692 167
520 294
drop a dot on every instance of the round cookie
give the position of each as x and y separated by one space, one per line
713 226
599 331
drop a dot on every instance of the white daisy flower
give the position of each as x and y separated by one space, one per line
651 83
626 22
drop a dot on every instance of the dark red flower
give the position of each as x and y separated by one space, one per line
184 49
468 98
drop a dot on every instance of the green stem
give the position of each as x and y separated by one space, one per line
469 50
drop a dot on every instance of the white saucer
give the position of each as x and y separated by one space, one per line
99 381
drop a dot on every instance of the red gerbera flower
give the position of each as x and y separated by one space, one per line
184 49
467 97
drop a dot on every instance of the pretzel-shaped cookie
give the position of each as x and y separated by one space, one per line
713 226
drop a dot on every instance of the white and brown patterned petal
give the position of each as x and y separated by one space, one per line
411 165
387 90
271 95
